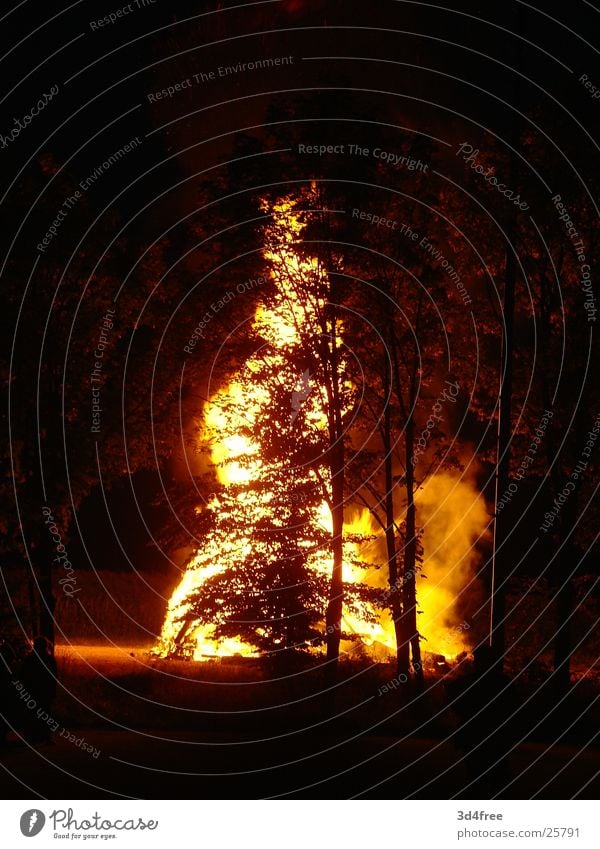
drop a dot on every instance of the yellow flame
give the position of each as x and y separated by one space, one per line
279 324
450 508
455 517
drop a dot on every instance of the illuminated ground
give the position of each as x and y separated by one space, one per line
225 732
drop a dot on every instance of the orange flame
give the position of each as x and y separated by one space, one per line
450 508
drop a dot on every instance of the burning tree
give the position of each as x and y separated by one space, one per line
283 543
271 567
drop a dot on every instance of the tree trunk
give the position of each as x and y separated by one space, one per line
410 558
336 593
402 643
500 564
336 465
34 599
409 630
562 577
41 558
48 601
